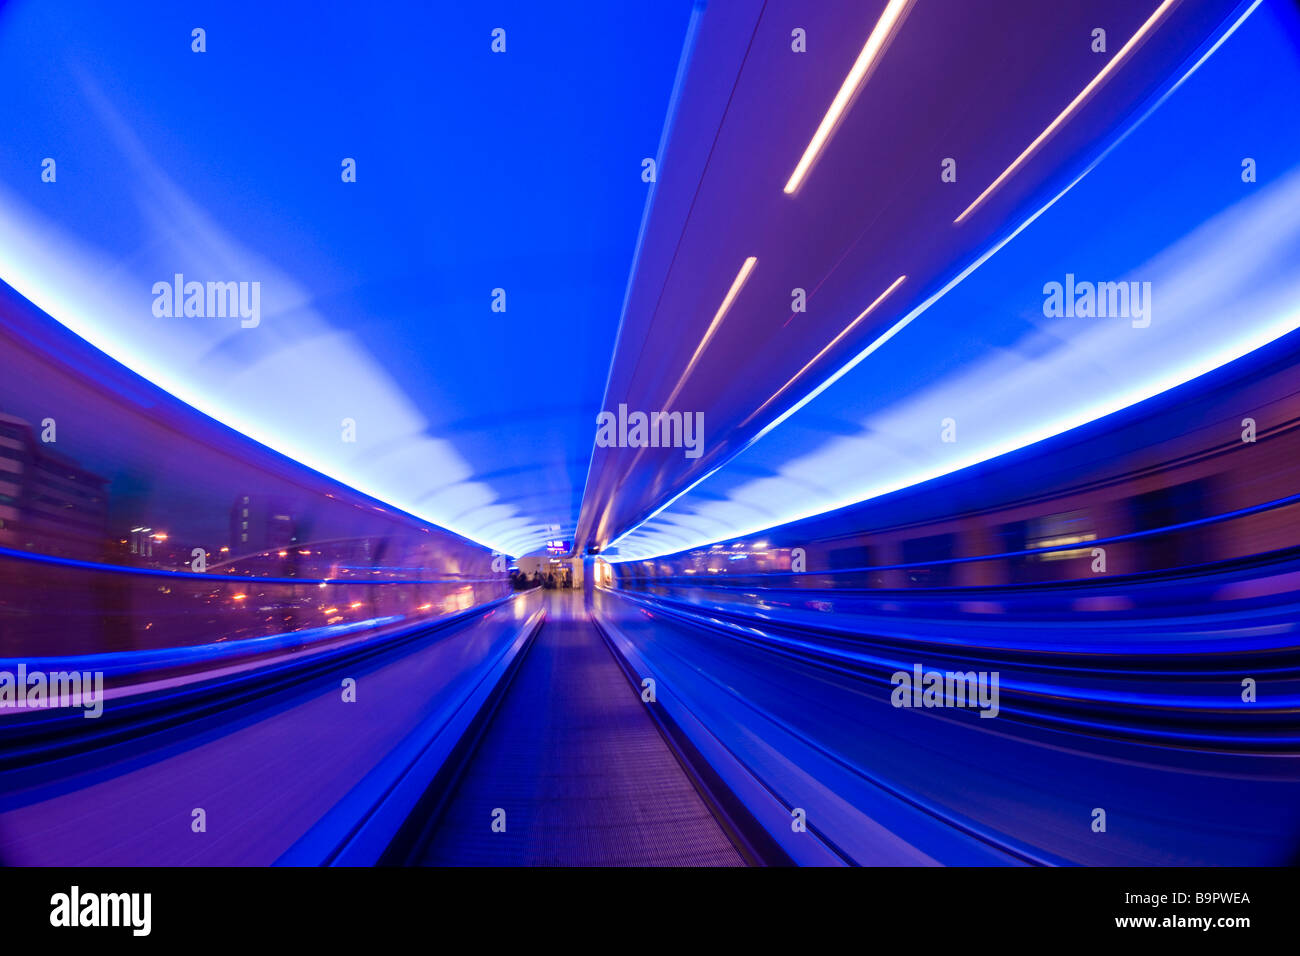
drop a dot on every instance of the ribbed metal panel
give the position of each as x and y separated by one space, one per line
582 773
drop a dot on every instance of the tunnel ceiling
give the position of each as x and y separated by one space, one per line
872 233
518 180
968 365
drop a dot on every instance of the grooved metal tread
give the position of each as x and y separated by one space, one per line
578 766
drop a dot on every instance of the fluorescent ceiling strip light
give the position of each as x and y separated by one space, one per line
861 67
745 269
1075 103
817 358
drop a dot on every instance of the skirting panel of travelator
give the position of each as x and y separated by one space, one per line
367 827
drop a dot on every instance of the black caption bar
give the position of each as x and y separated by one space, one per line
135 906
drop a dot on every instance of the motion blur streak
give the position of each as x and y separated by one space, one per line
876 42
1121 689
991 551
1111 64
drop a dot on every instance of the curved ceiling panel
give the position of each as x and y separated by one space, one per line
874 228
1212 261
475 171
